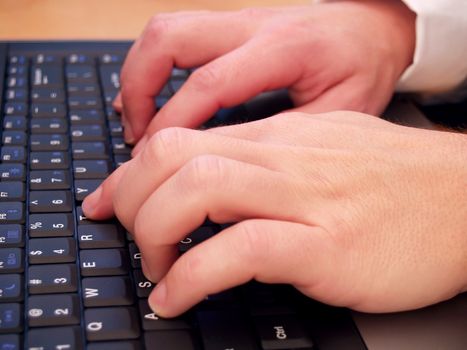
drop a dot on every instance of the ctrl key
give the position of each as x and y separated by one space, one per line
10 318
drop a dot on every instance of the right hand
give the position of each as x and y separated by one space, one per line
350 209
337 55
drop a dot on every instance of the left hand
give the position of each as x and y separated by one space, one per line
350 209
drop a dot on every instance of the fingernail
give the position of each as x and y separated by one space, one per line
128 131
91 201
139 146
158 298
145 269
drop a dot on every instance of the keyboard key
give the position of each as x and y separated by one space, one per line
91 169
11 288
121 158
48 110
82 219
46 59
85 117
50 225
225 329
107 291
83 73
52 250
49 126
49 180
13 154
117 345
169 340
196 237
17 95
135 256
18 60
48 95
53 310
103 262
100 236
180 73
17 82
14 138
47 279
17 69
46 76
11 236
49 160
152 322
11 316
85 187
119 146
12 191
59 338
10 341
83 89
87 133
12 172
84 102
112 323
111 58
15 123
50 201
79 58
89 150
53 142
16 108
12 213
282 332
176 84
11 260
116 128
143 285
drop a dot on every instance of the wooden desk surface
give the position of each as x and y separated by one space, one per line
100 19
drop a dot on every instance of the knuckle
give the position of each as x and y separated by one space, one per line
157 28
127 87
188 270
205 78
254 245
165 144
204 172
143 230
121 210
255 13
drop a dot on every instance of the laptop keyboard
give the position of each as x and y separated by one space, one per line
70 283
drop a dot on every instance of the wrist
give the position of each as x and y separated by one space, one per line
393 25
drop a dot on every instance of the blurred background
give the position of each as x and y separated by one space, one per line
100 19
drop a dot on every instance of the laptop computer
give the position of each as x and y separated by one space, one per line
69 283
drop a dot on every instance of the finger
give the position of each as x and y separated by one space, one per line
173 40
98 205
117 103
323 130
351 94
222 190
264 250
229 80
165 154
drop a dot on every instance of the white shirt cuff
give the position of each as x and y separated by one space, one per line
440 59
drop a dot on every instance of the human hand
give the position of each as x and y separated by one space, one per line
350 209
337 55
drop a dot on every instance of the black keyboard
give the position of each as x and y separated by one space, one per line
69 283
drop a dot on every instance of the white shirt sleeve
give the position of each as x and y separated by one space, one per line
440 59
